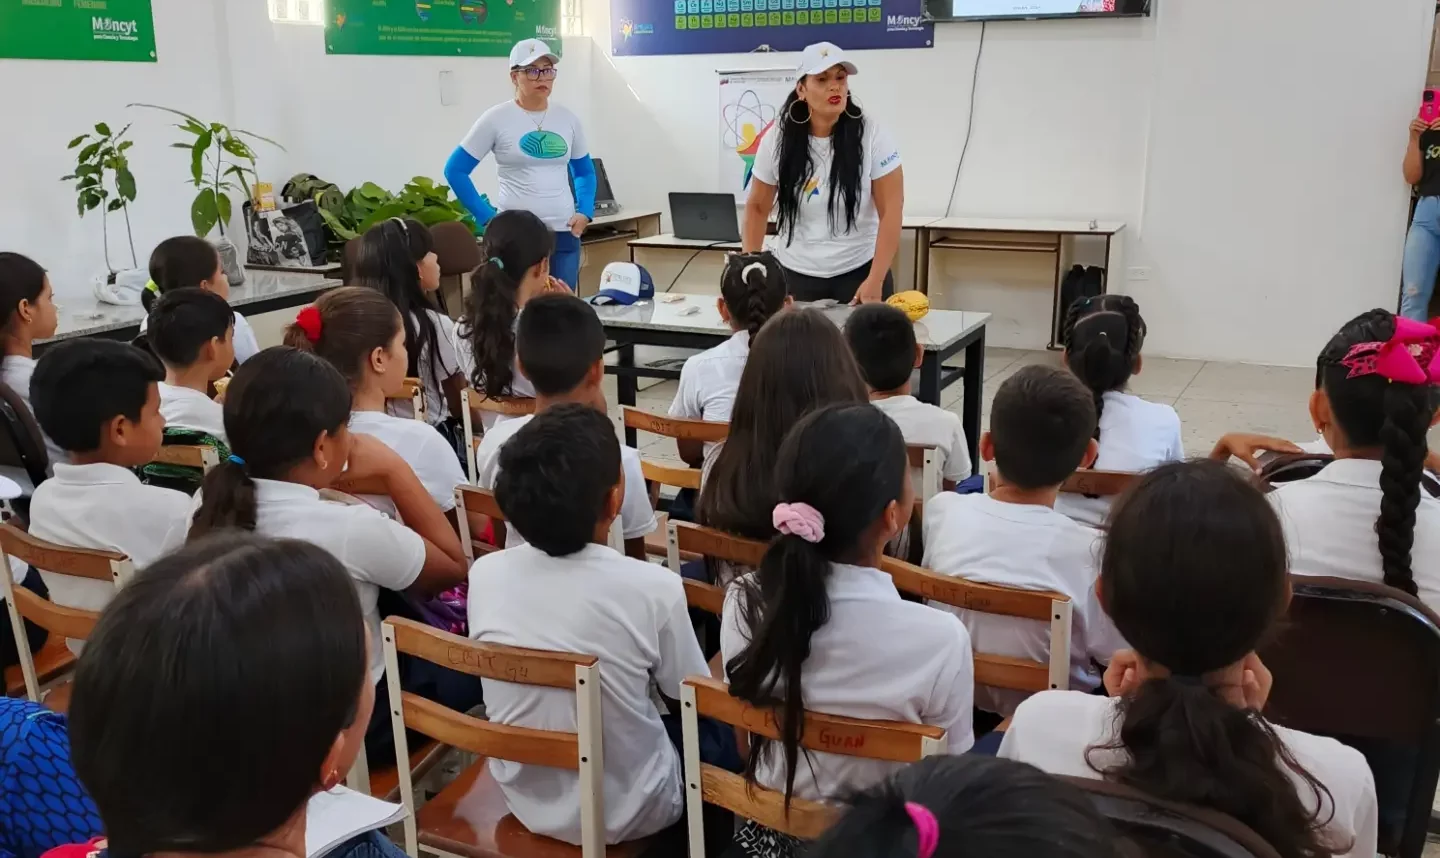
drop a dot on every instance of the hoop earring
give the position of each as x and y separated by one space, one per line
858 111
790 113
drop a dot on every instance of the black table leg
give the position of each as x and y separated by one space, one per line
929 379
626 385
974 394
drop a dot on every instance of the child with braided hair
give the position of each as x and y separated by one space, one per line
1103 337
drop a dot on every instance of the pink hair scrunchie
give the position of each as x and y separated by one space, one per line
927 829
799 519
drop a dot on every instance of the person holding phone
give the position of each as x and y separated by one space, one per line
1422 243
539 147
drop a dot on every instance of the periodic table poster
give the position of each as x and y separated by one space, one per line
648 27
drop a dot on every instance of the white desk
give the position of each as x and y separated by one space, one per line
941 333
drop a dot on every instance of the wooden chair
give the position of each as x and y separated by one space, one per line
925 461
470 499
1362 660
458 253
676 427
413 393
469 817
66 623
683 537
188 456
876 740
657 475
472 401
1158 828
1099 483
997 671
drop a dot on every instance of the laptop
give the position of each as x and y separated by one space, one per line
704 217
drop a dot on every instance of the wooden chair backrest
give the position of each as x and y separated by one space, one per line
676 427
1099 483
26 605
470 499
657 475
187 456
876 740
413 392
709 542
579 751
473 401
994 670
926 461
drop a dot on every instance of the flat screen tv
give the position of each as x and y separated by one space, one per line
1026 10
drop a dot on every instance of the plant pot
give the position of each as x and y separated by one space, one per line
230 260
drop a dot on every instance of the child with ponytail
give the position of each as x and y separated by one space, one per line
752 289
397 259
187 262
287 415
1194 577
819 626
1365 515
27 314
967 806
517 248
1103 337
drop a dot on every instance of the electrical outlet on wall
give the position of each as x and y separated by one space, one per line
1139 272
447 89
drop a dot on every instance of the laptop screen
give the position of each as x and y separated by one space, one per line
603 194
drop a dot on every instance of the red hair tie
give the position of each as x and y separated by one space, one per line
309 321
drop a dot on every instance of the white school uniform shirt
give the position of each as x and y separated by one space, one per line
376 551
105 508
1329 523
15 371
437 408
1135 435
1055 730
1028 547
185 408
632 616
817 249
519 386
637 517
879 658
708 381
429 455
932 426
532 152
246 346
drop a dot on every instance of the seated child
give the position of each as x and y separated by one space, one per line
1365 515
358 330
561 346
1194 576
191 331
99 400
883 339
560 485
1041 422
187 262
1103 338
820 627
27 314
752 289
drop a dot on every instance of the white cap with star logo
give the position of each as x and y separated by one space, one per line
530 51
822 56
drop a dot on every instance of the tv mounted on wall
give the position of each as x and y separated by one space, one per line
1028 10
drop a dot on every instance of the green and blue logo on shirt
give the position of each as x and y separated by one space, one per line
544 144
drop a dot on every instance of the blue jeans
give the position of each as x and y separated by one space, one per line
565 261
1422 260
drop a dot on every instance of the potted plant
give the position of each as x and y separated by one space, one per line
220 163
348 216
102 177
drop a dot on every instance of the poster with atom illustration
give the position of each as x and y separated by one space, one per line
749 103
471 28
743 26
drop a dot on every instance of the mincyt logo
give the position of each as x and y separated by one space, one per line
113 30
902 22
544 32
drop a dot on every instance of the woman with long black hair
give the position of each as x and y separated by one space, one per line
837 179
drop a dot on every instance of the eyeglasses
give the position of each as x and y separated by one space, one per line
541 74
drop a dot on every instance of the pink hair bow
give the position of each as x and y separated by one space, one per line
927 829
799 519
1410 356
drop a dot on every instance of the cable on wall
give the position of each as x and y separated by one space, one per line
970 120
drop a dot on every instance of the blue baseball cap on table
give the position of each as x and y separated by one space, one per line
624 283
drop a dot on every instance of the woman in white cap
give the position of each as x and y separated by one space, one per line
538 146
836 176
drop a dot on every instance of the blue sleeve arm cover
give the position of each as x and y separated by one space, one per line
582 170
457 174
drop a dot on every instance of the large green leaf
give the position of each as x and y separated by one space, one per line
255 136
198 126
77 141
125 183
385 212
88 152
237 148
115 205
87 170
335 226
197 157
204 212
222 203
431 215
87 182
128 143
102 129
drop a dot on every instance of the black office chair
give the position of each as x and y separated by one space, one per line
1154 828
22 445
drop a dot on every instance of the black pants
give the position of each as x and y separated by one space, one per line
9 655
450 688
841 287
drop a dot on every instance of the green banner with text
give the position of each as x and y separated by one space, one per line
474 28
110 30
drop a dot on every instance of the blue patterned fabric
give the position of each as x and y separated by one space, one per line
42 804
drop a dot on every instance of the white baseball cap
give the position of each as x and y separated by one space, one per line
624 283
529 51
817 58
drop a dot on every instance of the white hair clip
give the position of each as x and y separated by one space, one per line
745 272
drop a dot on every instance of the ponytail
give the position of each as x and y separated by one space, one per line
388 262
838 471
182 262
277 406
1103 337
344 326
1403 436
515 242
753 286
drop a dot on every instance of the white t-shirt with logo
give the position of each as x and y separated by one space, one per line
817 250
532 152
